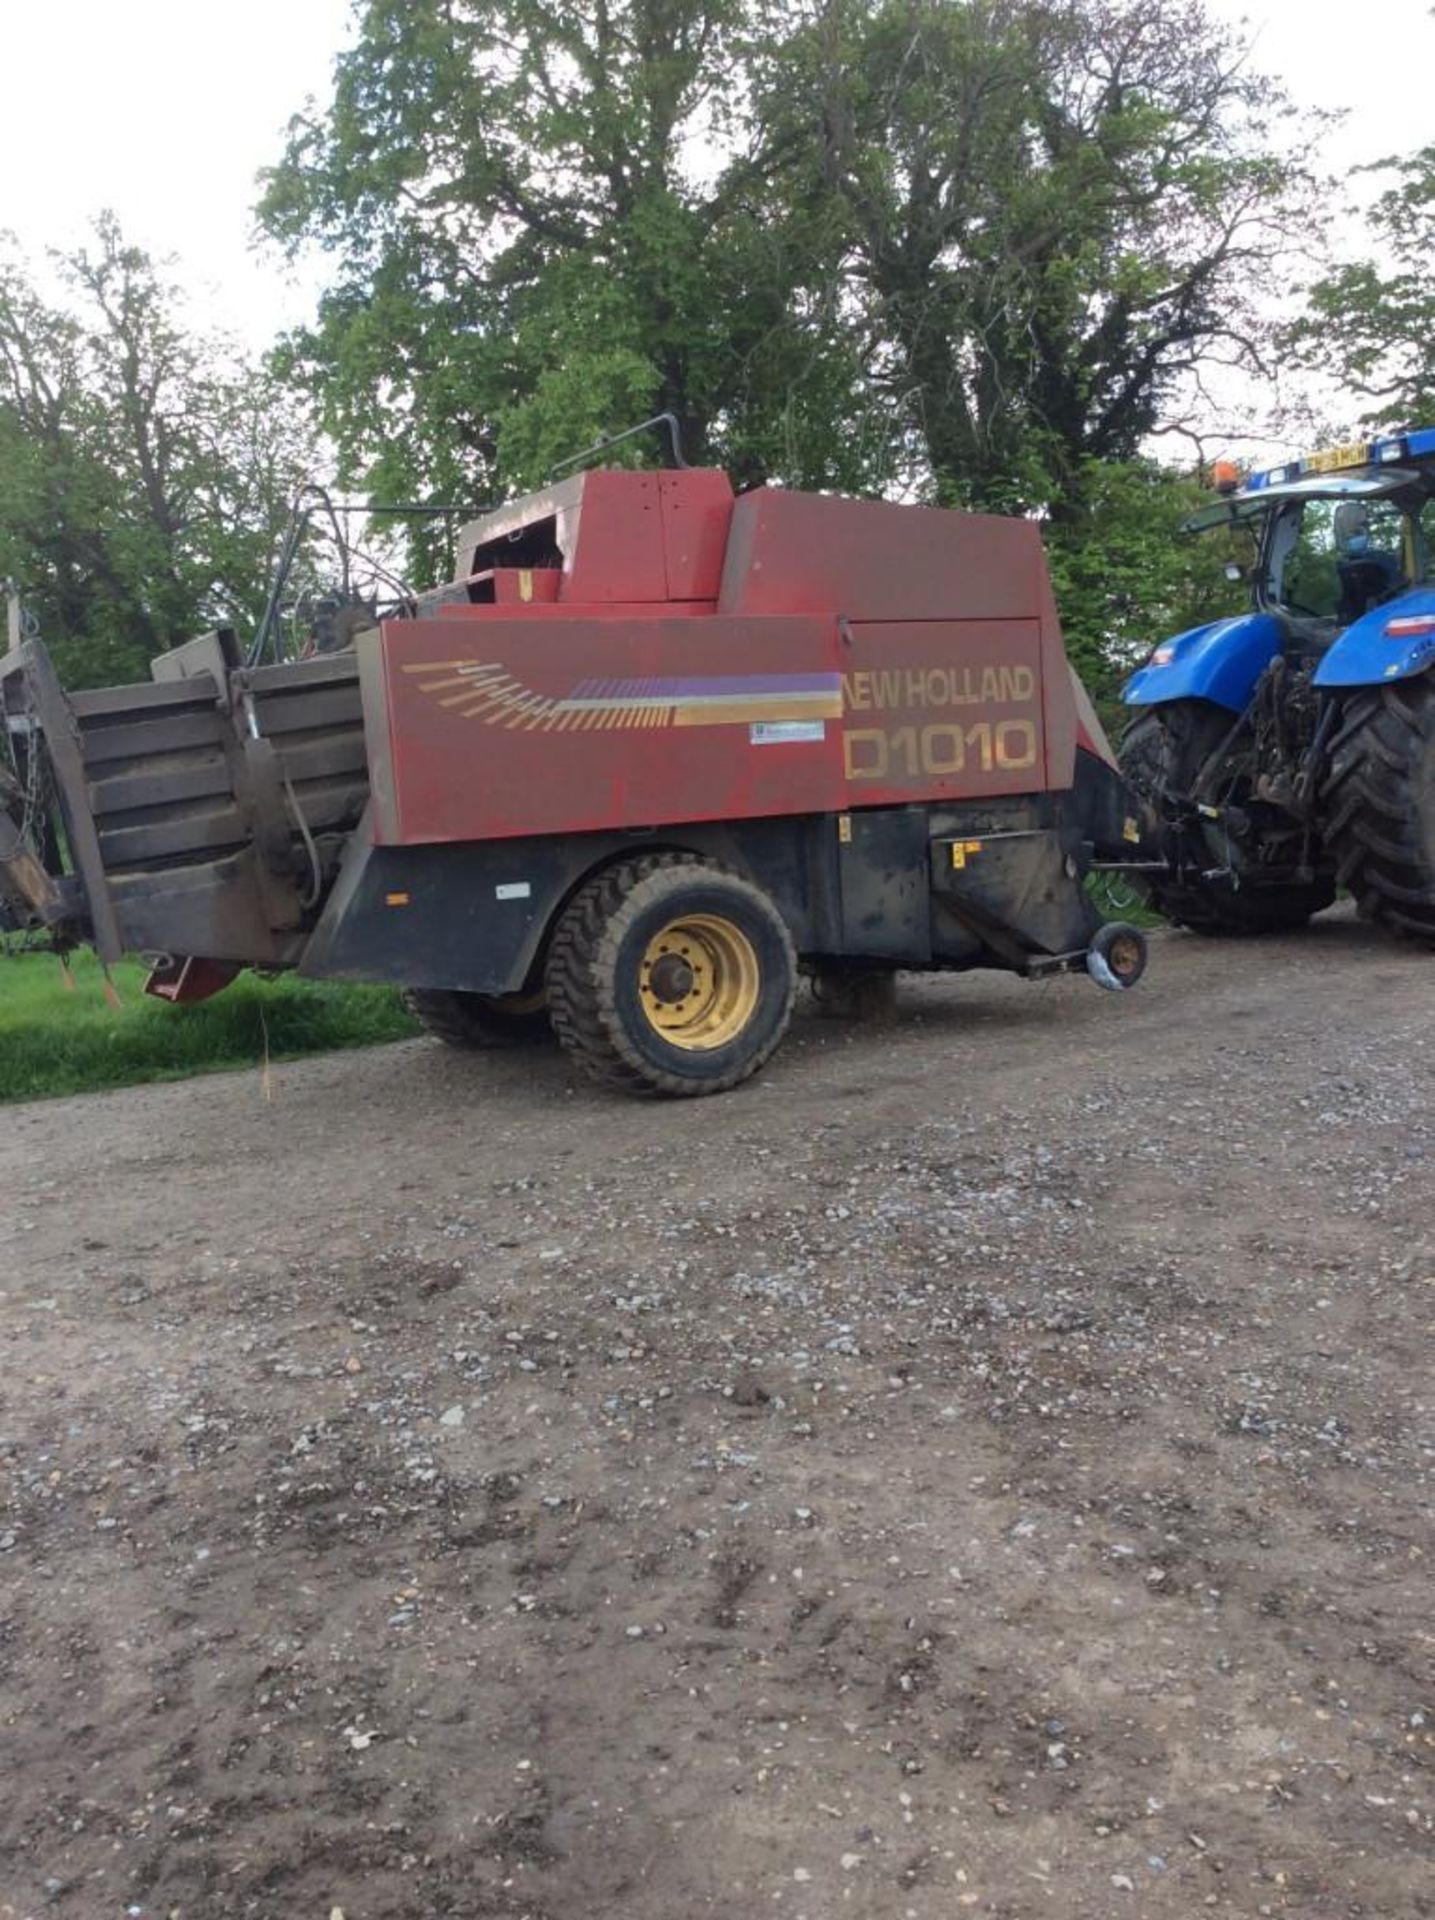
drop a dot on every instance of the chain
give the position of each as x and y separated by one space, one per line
37 785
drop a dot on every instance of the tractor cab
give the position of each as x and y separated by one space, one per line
1337 534
1343 580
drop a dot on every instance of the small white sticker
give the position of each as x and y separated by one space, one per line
513 890
781 733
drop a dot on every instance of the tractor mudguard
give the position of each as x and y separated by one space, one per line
1392 642
1221 661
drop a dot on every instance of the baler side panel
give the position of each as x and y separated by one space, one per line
383 817
617 541
871 560
941 710
501 728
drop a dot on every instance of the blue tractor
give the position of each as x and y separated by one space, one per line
1291 750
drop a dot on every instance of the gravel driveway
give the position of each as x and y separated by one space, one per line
975 1468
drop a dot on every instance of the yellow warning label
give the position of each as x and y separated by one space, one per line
844 828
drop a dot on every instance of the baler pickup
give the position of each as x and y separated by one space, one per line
203 813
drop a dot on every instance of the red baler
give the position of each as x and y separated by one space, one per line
652 752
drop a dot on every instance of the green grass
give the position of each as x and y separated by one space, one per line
1118 899
53 1041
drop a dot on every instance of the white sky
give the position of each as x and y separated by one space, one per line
165 110
1372 58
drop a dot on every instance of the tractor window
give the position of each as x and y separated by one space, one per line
1305 579
1334 559
1420 561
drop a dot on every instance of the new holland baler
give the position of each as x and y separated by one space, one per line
654 751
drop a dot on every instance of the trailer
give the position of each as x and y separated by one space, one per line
653 752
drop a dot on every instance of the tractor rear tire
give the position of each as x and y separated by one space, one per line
1165 749
480 1022
671 975
1379 802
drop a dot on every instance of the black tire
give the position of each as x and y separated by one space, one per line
605 998
480 1022
1117 956
1164 750
1379 805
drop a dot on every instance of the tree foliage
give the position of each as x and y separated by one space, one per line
956 248
144 471
1371 323
1058 214
1125 576
533 246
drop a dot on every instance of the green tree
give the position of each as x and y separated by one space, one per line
977 251
548 221
1371 323
954 247
144 471
1057 215
1124 575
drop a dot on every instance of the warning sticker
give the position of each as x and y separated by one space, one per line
781 733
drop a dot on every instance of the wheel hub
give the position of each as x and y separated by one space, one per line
699 982
671 978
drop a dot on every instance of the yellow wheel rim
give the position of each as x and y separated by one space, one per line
699 982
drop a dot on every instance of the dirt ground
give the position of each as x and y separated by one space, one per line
975 1468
